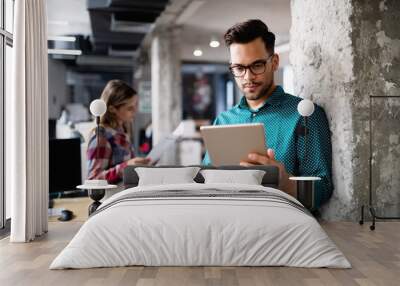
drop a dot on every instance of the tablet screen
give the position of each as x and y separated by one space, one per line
230 144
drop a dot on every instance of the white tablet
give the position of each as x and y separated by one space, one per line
230 144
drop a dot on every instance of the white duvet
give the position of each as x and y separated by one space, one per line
185 231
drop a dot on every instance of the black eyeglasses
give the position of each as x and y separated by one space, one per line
256 68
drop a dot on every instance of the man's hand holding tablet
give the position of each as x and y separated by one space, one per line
243 144
269 159
231 144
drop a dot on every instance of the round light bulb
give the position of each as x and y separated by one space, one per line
214 43
305 107
197 52
98 107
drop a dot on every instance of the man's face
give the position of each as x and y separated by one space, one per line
254 86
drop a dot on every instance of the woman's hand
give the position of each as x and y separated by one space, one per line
139 161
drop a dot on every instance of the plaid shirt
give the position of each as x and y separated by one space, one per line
108 159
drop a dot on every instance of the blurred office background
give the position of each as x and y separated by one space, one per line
91 42
340 54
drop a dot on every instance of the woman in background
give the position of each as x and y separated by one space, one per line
108 159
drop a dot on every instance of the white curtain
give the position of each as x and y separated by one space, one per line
27 123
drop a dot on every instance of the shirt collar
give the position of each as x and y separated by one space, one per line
274 99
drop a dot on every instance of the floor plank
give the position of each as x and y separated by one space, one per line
375 257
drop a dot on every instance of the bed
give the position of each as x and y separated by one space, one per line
201 224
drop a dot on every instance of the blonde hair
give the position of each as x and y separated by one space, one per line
116 93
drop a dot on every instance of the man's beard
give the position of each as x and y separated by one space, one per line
260 94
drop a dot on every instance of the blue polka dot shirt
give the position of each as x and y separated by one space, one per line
284 132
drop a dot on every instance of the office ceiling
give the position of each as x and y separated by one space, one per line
214 17
117 27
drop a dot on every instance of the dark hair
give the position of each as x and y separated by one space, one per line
248 31
116 93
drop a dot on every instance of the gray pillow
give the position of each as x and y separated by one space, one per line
248 177
163 176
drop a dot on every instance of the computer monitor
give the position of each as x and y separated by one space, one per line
52 128
64 164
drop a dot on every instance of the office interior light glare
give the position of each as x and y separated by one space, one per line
59 23
214 43
197 52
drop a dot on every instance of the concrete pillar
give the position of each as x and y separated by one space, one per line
142 84
343 52
166 86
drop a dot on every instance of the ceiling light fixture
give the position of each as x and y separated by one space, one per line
214 43
64 52
197 52
61 38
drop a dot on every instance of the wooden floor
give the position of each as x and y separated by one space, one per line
375 256
79 207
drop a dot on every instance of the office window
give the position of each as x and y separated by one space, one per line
2 195
8 70
288 82
6 43
9 13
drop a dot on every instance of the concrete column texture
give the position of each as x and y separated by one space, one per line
343 52
166 90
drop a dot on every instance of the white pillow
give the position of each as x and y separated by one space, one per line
249 177
163 176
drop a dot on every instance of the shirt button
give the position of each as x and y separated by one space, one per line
253 115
